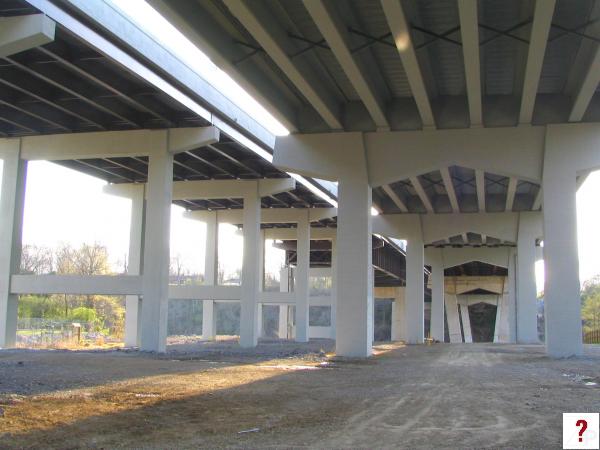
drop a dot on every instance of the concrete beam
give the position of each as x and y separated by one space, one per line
111 144
458 256
186 139
20 33
77 284
221 293
542 20
398 155
469 32
449 185
422 194
334 32
461 284
212 189
400 29
480 185
587 88
510 194
268 215
397 200
271 38
289 234
438 227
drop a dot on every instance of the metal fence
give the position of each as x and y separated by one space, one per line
35 332
591 337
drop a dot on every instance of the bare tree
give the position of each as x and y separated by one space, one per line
91 260
36 260
177 269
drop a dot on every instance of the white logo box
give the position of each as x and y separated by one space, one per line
581 430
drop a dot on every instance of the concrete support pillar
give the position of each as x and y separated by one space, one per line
437 296
562 304
156 252
211 264
373 304
12 203
354 265
466 322
334 290
133 303
526 289
284 311
261 282
511 297
250 269
498 325
283 322
504 316
398 331
302 278
452 317
259 320
415 290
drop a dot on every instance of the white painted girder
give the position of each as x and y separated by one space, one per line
449 185
400 29
542 19
270 38
422 194
109 144
334 32
20 33
510 194
395 198
469 31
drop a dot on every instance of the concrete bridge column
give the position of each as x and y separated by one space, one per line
333 285
283 322
156 252
12 203
437 296
511 297
398 332
251 269
415 290
354 265
211 263
562 304
527 332
302 278
466 321
453 319
133 303
284 286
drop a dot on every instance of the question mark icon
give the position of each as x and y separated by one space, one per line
583 424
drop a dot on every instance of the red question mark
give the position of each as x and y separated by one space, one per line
583 424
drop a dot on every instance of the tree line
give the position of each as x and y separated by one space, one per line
106 313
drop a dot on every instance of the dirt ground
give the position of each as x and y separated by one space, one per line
293 395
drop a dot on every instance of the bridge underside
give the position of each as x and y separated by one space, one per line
467 128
